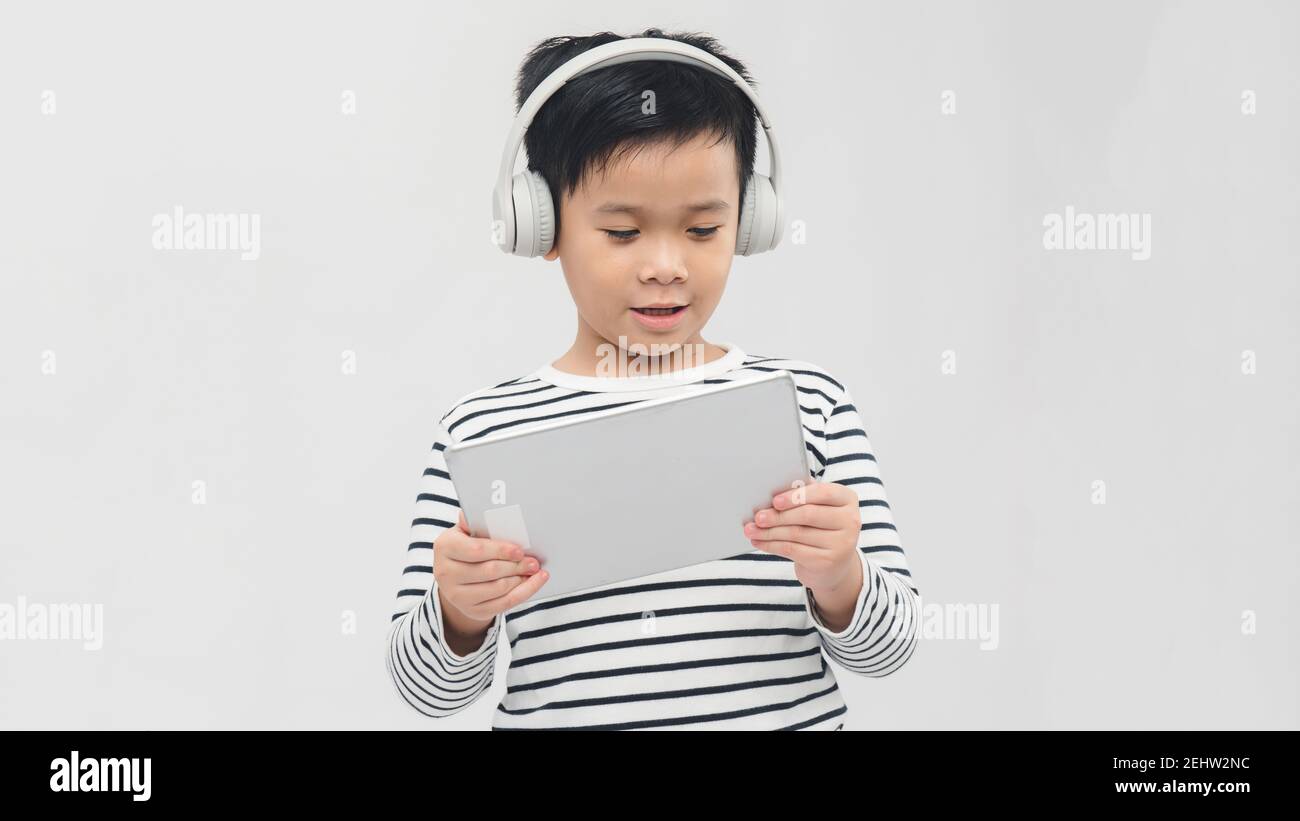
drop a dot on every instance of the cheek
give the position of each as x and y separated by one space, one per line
709 270
599 287
715 261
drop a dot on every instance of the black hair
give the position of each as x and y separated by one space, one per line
597 117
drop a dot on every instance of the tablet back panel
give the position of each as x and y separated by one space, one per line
637 490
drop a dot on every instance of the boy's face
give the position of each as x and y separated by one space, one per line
658 227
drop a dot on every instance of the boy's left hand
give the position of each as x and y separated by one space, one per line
817 527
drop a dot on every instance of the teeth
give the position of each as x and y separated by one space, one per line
657 311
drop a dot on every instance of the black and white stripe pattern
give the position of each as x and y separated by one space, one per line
731 644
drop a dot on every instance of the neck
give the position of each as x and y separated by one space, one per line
590 349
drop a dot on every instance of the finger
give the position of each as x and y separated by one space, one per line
471 549
810 536
797 553
476 594
490 571
817 493
809 515
463 524
519 593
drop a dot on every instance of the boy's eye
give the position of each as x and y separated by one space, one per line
625 235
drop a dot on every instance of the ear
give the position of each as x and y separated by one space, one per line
554 253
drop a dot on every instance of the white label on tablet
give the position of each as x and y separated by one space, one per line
507 524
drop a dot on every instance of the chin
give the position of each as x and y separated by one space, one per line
664 341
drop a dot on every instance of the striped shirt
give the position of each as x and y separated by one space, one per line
730 644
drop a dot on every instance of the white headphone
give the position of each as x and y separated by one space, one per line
523 212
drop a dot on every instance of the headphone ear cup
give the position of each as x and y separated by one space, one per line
745 225
760 216
534 215
544 211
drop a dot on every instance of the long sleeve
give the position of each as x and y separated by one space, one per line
882 634
428 674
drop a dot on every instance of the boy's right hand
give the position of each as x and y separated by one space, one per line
481 577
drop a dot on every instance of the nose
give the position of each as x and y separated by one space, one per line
664 263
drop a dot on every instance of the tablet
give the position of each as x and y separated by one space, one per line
636 490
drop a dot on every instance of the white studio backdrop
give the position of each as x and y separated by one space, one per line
1095 453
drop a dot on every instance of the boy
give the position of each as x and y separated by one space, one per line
646 218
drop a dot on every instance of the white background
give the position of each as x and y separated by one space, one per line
924 235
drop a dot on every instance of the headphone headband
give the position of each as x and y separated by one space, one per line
632 49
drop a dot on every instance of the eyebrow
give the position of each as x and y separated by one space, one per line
619 207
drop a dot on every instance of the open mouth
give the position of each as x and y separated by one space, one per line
669 311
